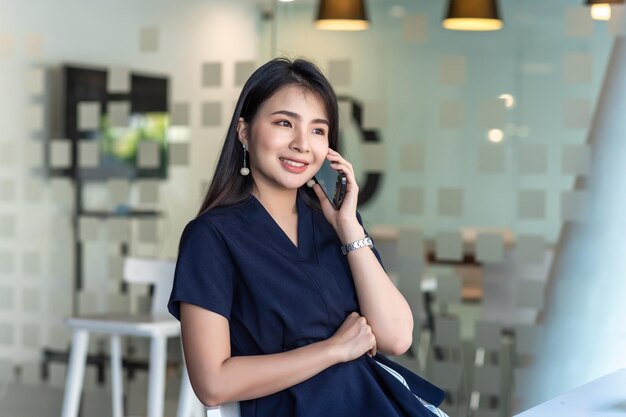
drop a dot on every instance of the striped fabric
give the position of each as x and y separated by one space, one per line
436 411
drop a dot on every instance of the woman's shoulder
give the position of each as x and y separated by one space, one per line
221 218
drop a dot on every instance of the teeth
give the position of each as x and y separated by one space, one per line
293 163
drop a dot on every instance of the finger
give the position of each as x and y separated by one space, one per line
373 350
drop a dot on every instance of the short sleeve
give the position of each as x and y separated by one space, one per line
205 271
358 216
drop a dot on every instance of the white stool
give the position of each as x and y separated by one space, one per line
158 326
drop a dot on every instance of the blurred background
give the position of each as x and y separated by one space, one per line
490 164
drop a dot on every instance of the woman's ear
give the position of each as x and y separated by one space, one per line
242 131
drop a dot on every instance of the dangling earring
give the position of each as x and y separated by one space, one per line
245 170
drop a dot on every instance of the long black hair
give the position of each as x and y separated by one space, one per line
228 187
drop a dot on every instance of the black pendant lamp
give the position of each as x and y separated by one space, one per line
601 9
342 15
473 15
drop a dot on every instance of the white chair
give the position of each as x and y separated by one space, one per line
159 325
224 410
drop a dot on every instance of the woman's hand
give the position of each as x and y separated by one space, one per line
344 220
353 338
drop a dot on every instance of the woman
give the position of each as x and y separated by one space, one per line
273 314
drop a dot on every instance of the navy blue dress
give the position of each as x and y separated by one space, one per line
238 262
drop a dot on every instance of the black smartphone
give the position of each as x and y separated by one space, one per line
333 183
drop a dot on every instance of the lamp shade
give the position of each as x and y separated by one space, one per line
342 15
474 15
601 9
592 2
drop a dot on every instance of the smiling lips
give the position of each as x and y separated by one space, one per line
294 166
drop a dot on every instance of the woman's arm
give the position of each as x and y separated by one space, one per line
218 378
386 310
381 303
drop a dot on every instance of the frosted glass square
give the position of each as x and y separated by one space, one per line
34 190
31 336
447 376
411 200
7 295
7 45
89 229
116 268
61 191
374 156
148 192
7 226
448 332
60 153
530 294
576 159
7 154
616 25
489 248
531 248
118 230
34 45
412 156
531 204
7 259
59 302
35 81
179 114
415 28
578 68
87 302
118 80
7 334
31 263
179 154
88 154
35 117
374 115
118 192
578 22
118 113
339 72
452 70
410 244
211 114
451 114
31 300
149 39
533 159
147 230
149 156
576 113
345 113
492 114
491 158
448 289
243 70
34 155
450 202
7 190
88 115
488 335
211 74
574 205
487 380
449 246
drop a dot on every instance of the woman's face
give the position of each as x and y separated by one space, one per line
287 140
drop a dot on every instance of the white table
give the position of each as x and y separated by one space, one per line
604 397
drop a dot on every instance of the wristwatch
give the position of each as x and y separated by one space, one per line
361 243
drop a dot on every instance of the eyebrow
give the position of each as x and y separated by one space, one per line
298 117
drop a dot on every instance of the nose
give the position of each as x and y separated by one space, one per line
300 141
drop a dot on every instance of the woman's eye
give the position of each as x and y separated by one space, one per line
319 131
284 123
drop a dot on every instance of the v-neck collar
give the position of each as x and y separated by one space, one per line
269 230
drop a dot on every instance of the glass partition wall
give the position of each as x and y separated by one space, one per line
477 157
